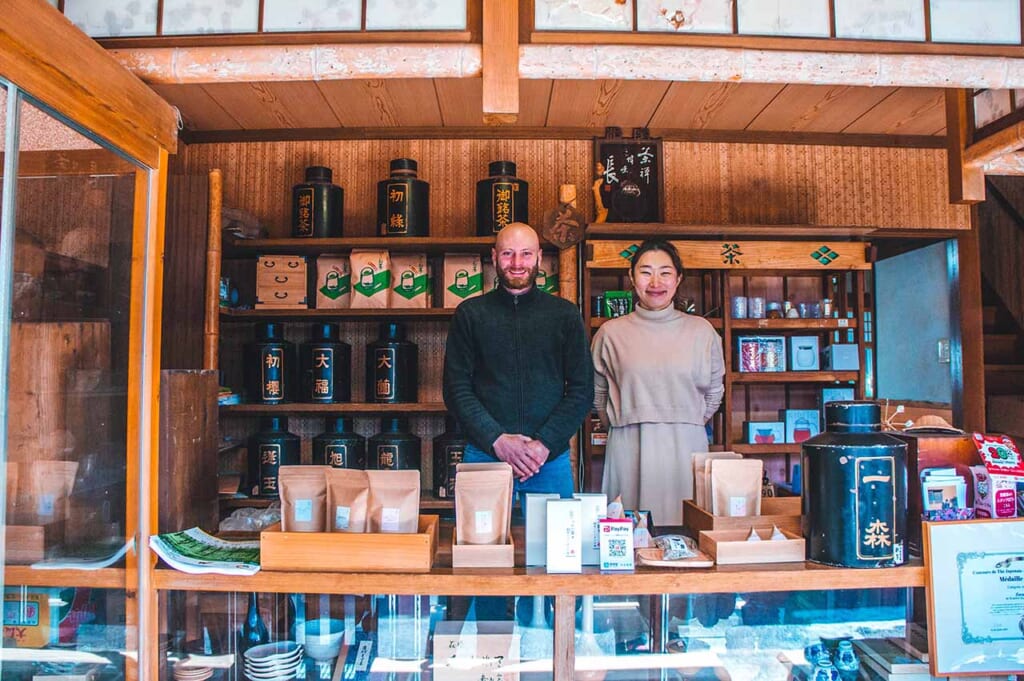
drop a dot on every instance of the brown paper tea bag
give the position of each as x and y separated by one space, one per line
45 486
348 499
394 501
303 498
736 487
483 506
495 466
701 481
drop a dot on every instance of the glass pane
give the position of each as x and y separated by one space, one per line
67 401
112 18
975 21
990 105
597 15
784 17
710 16
415 15
312 15
183 17
880 19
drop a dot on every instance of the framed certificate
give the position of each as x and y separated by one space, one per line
975 596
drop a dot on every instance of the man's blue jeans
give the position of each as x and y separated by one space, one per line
554 477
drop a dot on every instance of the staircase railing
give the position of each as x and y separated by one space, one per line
1001 242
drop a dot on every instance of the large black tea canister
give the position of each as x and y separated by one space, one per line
317 205
339 446
854 490
270 449
501 198
270 367
394 448
403 201
326 364
392 366
449 448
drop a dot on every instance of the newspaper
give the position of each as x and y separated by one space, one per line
197 552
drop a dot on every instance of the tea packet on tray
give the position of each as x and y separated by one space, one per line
483 503
348 499
303 498
394 501
736 487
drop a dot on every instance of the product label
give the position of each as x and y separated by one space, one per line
384 373
390 519
454 456
323 374
876 507
466 284
272 368
483 522
503 207
387 456
342 514
303 510
336 455
410 284
46 505
372 282
304 212
398 209
336 284
738 506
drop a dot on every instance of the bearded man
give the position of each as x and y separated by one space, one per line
517 370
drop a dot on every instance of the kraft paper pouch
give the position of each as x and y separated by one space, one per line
394 501
736 487
701 481
547 273
410 281
348 499
490 276
462 278
303 498
333 282
45 486
483 506
371 278
495 466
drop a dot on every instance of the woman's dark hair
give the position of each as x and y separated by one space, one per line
657 245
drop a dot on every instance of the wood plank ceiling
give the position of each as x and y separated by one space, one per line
751 108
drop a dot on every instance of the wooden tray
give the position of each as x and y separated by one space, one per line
350 552
483 555
652 557
730 547
783 512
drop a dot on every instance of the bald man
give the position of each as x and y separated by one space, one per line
517 370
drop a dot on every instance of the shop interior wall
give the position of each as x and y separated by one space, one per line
913 311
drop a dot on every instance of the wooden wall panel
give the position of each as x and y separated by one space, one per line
184 272
713 183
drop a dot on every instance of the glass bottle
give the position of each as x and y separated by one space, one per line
500 199
317 205
270 449
270 368
394 448
339 446
403 201
392 366
326 364
254 631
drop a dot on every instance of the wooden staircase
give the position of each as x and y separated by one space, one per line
1004 368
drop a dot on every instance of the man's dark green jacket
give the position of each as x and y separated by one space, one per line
518 364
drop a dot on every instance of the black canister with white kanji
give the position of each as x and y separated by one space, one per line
392 365
326 364
270 366
269 449
339 446
394 448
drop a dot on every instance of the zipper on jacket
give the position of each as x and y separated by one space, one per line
520 403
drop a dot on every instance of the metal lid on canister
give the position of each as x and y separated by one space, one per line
319 174
853 416
403 165
501 168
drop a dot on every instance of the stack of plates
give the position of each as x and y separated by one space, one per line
273 661
189 673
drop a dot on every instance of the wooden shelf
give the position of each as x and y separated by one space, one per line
428 502
344 314
357 408
106 578
792 376
239 248
753 450
596 322
642 230
537 582
824 324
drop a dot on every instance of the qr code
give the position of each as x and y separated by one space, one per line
617 548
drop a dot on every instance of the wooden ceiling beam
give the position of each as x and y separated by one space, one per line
995 146
966 181
1010 164
500 61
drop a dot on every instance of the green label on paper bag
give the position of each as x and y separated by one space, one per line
336 285
371 283
467 284
409 285
546 283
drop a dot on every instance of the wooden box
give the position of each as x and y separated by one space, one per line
730 547
783 512
483 555
281 282
26 544
350 552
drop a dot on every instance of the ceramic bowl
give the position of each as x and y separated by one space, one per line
272 652
323 638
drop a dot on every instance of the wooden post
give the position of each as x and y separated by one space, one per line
968 374
564 655
211 326
966 182
500 61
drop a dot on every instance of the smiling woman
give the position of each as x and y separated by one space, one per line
658 378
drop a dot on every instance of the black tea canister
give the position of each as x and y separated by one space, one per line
501 199
326 365
269 449
854 490
392 366
394 447
339 446
270 366
449 450
318 205
403 201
